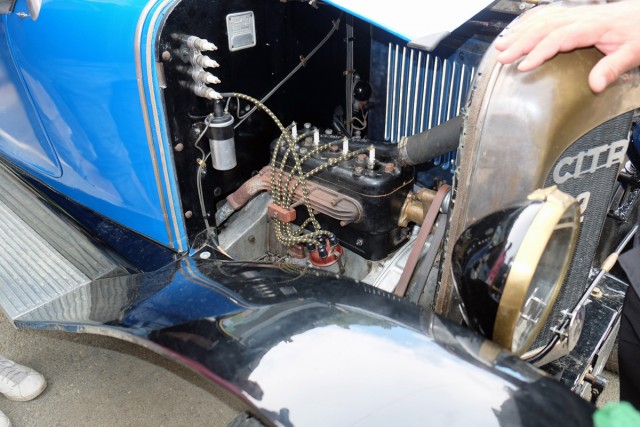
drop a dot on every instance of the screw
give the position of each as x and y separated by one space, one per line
166 56
179 147
389 167
188 214
251 239
217 191
205 255
359 242
334 148
334 202
358 170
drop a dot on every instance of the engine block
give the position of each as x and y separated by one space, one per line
379 186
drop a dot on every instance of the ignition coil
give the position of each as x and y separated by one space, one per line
221 138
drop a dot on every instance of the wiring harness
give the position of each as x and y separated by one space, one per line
283 185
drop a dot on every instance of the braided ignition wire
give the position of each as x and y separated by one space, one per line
304 176
280 192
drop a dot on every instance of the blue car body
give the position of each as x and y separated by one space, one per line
92 124
79 97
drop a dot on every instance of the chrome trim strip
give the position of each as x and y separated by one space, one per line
434 77
407 106
401 97
425 88
387 130
442 87
158 130
460 89
416 95
145 113
395 91
451 86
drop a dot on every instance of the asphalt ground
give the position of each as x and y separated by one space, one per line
103 382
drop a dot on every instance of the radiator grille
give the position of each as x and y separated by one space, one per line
600 184
423 91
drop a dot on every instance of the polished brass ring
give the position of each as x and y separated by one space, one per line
525 263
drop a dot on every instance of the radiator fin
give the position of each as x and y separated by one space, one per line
423 91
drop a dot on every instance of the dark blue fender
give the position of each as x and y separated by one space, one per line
306 348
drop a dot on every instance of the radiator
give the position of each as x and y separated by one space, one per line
423 91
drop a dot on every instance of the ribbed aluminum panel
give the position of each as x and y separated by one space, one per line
423 91
32 272
64 237
99 302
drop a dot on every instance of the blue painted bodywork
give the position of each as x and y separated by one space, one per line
301 347
77 122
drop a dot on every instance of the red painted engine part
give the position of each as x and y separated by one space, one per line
334 254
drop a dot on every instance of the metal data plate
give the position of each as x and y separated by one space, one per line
241 30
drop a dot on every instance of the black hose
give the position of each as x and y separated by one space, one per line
428 145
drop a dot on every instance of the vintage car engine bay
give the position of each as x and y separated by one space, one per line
338 163
294 168
332 173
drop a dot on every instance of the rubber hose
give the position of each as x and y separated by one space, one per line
428 145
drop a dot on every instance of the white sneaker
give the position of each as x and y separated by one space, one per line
18 382
4 420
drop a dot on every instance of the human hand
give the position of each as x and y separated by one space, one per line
613 28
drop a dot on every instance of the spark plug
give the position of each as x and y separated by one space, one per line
203 76
372 157
201 44
194 42
205 92
199 75
204 61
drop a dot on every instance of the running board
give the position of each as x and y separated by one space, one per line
44 255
